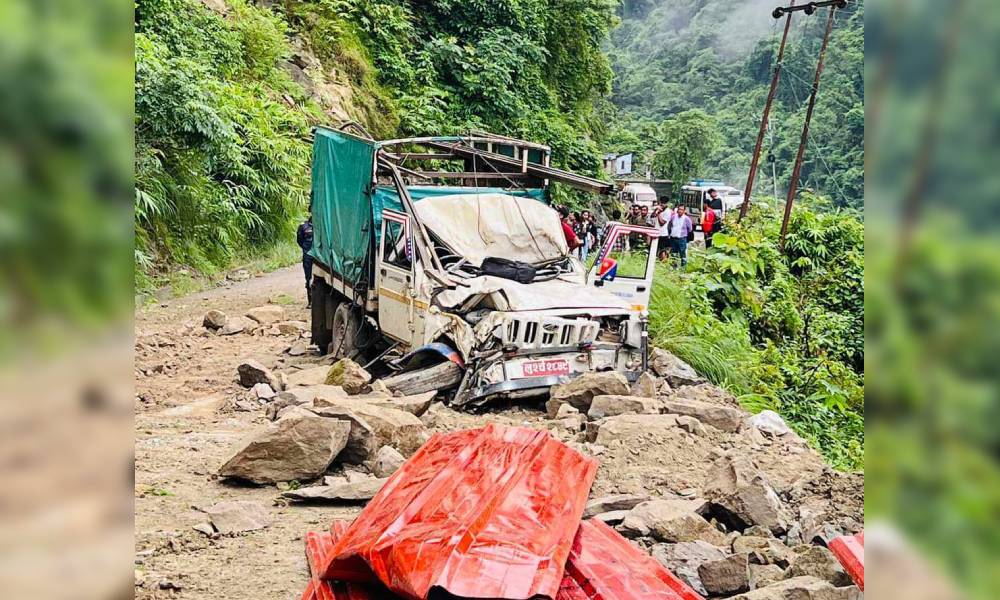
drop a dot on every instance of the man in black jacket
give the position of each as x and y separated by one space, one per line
304 238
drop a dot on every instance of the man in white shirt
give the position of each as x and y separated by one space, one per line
679 227
661 220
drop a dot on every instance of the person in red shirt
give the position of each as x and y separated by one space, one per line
708 224
567 226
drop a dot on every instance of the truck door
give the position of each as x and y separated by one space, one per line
400 314
627 274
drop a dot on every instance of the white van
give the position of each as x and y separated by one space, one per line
638 193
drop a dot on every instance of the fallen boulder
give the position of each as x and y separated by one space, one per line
684 558
297 447
722 418
307 377
396 428
725 577
818 562
580 392
416 405
214 319
611 406
802 588
671 521
236 325
237 516
769 422
746 495
674 370
627 428
613 503
252 372
349 375
764 575
387 461
265 315
645 386
356 491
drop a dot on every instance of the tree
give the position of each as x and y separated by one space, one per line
686 142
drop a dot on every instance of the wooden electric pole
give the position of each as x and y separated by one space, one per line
797 170
767 112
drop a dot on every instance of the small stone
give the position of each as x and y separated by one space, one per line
684 558
237 516
252 372
214 319
349 375
725 577
764 575
769 422
645 386
347 492
738 486
612 516
566 410
819 562
298 348
613 503
802 588
205 528
307 377
671 521
673 369
263 391
387 461
292 327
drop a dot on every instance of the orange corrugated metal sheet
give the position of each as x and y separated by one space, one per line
482 513
850 551
602 566
605 566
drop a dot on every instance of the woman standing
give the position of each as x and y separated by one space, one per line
708 224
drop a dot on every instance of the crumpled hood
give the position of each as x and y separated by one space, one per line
555 294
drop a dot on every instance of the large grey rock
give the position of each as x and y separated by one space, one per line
306 377
236 325
725 577
387 461
580 392
675 370
265 315
684 558
357 491
416 404
300 447
612 503
671 521
767 550
214 319
236 516
769 422
612 406
764 575
632 428
737 485
252 372
802 588
396 428
723 418
349 375
646 386
819 562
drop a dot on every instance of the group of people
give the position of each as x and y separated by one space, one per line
673 224
582 233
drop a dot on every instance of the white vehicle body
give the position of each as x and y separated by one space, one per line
695 196
640 194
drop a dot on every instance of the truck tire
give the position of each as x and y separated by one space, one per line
346 323
321 332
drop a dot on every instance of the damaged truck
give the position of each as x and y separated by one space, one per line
440 258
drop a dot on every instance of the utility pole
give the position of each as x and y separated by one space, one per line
797 170
773 160
767 112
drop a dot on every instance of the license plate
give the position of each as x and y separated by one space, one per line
545 368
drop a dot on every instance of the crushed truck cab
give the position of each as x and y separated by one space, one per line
463 279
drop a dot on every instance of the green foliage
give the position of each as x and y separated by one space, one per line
221 162
782 331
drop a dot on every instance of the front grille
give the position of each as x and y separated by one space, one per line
530 332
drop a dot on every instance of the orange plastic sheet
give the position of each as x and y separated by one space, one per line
480 513
602 565
605 566
850 551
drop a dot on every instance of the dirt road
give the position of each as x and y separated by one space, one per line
187 422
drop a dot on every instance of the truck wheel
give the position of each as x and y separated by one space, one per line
346 322
321 333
